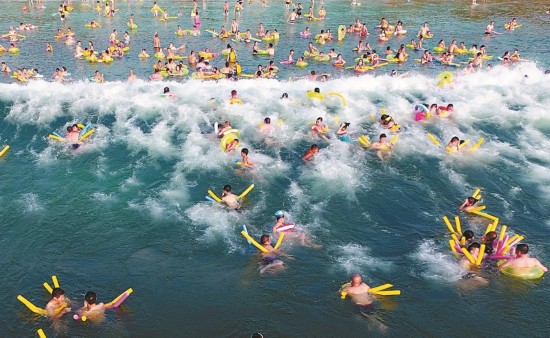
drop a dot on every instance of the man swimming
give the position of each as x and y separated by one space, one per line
57 306
91 309
468 204
229 198
523 260
310 152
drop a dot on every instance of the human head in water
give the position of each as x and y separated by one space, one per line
317 90
166 90
227 188
90 297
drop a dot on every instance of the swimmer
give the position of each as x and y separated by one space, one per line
454 145
232 146
57 306
382 145
246 162
358 291
342 132
269 262
467 266
266 127
91 309
131 76
167 93
320 128
156 75
310 153
468 237
73 135
488 239
523 260
468 204
229 198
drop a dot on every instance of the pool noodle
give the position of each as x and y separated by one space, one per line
41 333
246 230
48 287
55 282
449 225
434 140
118 300
6 148
213 195
457 225
468 255
31 306
480 255
279 241
251 240
244 193
380 288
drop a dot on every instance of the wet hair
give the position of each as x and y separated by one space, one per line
383 135
522 248
57 292
468 234
455 138
244 151
267 120
90 297
284 96
317 90
233 92
472 200
473 246
227 188
166 90
312 72
490 236
314 147
264 238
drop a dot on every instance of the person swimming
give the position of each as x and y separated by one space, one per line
229 198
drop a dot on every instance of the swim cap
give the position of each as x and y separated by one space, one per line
279 213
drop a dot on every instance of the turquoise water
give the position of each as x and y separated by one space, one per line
128 209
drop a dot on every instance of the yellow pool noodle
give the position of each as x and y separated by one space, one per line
463 144
129 291
480 255
434 140
449 225
481 207
55 282
57 138
478 190
48 287
457 225
247 236
512 239
31 306
452 245
40 333
244 193
463 241
468 255
279 122
388 293
502 232
453 236
88 133
482 214
495 224
6 148
489 227
343 295
475 146
380 288
214 196
280 240
340 96
394 138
